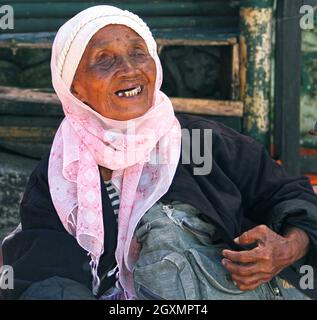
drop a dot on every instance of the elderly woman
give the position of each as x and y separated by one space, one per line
117 209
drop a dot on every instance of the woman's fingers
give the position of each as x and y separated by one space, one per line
247 276
251 268
243 256
256 234
250 282
241 270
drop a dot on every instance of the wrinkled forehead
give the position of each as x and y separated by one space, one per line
74 36
112 35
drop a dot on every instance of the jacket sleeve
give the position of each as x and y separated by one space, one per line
43 249
269 195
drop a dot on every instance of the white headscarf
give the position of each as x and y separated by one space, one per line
86 139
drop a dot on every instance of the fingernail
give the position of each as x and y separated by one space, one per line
223 261
236 240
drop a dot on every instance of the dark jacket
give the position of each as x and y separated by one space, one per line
244 188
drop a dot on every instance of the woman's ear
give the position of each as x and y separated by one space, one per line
76 90
73 89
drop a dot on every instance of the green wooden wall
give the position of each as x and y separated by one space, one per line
189 71
37 15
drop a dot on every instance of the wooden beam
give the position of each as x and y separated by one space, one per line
154 22
64 9
162 42
27 95
196 106
195 42
46 41
235 73
25 133
208 107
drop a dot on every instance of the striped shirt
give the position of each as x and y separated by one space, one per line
114 197
115 292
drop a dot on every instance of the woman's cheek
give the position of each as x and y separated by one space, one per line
152 70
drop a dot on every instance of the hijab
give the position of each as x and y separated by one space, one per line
142 152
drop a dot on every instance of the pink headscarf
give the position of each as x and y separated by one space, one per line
143 152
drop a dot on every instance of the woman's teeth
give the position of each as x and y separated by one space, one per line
130 93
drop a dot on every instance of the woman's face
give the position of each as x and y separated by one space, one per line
116 75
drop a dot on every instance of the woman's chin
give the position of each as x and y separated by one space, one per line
125 114
126 111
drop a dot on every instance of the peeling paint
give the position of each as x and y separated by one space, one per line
308 107
255 53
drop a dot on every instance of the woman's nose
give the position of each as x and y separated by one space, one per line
128 66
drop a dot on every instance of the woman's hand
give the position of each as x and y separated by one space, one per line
250 269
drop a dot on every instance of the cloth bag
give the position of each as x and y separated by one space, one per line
179 260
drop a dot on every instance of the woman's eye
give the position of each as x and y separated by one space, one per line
105 60
139 53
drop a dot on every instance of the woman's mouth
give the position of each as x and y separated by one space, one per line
131 92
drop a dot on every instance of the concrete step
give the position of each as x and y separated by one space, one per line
14 174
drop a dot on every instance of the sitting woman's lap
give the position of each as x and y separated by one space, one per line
180 259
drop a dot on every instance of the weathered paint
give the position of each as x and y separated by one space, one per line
235 73
308 106
255 58
313 132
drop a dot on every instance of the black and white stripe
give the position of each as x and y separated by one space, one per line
115 292
114 197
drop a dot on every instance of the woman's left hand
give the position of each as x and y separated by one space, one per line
249 269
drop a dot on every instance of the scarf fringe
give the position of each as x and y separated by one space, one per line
71 221
94 271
